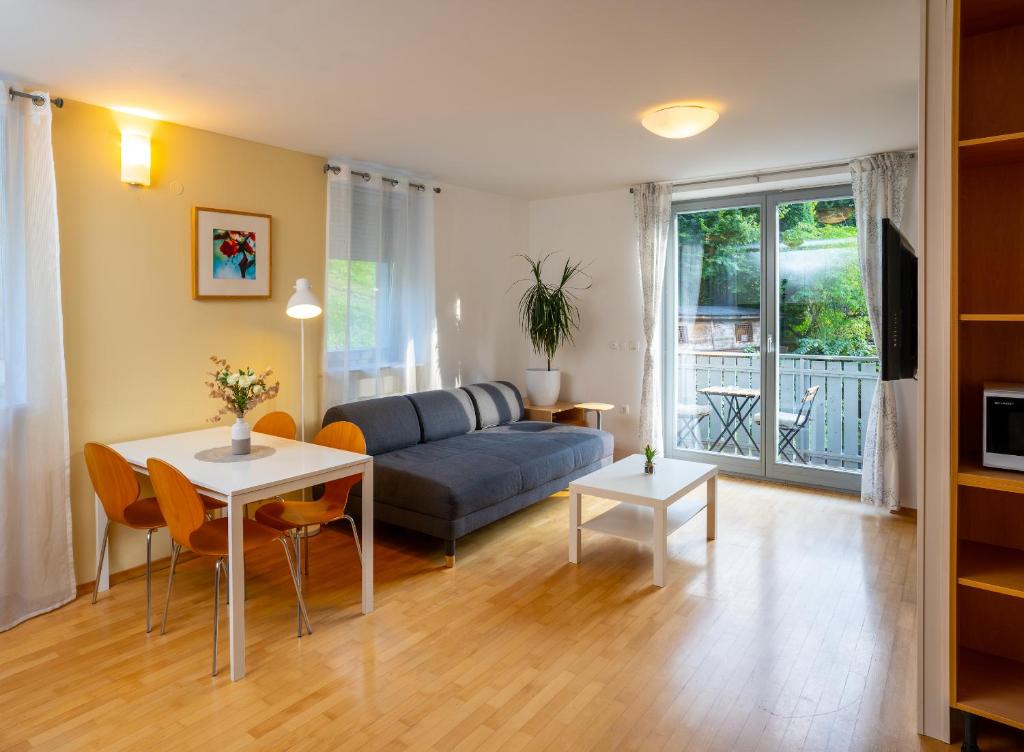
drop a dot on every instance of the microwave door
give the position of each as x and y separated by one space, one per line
1004 431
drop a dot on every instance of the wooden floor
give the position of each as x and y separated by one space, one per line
793 631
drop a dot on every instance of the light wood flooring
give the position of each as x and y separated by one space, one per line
793 631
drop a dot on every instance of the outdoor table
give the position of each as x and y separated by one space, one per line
739 403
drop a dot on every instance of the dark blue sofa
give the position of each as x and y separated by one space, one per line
448 462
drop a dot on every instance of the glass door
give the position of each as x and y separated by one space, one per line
716 334
771 366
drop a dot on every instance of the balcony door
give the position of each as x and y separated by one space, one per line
771 367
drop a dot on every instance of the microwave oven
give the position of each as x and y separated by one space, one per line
1003 426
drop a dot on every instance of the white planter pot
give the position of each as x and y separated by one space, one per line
241 442
543 386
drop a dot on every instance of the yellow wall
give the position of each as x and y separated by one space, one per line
136 344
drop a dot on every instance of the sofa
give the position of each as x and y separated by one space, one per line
449 461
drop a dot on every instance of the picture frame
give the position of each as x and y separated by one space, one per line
231 254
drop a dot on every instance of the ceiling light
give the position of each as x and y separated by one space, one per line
679 120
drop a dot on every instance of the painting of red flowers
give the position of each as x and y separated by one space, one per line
230 254
234 254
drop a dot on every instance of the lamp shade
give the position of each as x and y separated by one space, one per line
303 304
679 121
135 158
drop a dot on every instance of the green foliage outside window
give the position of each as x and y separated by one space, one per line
823 315
361 288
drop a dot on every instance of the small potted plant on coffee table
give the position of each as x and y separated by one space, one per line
649 453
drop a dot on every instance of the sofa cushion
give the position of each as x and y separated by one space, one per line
444 413
387 423
453 477
496 403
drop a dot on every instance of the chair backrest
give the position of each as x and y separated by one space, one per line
806 403
278 424
112 478
341 435
179 502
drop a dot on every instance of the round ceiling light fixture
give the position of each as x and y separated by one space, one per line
679 120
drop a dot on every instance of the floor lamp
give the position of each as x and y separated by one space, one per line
302 305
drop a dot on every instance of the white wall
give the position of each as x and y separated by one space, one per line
477 235
598 229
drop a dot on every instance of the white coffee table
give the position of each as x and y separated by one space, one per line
651 507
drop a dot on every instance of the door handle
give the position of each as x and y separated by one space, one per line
771 345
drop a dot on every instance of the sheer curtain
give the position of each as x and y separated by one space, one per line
36 561
652 209
879 192
380 334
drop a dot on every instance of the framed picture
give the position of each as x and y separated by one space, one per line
230 254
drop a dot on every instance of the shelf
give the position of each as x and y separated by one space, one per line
982 16
1008 147
993 568
991 686
636 523
976 476
1006 317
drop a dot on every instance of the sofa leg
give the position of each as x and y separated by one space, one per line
449 553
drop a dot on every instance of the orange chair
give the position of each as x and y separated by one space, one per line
189 527
293 517
278 424
117 487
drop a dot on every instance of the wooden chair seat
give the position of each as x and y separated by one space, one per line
144 514
211 538
288 515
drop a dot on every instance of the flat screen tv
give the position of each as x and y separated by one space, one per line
898 350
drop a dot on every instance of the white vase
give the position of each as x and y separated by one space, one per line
241 442
543 386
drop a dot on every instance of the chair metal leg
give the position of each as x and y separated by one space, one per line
298 589
175 549
305 547
355 533
297 575
149 580
99 563
216 610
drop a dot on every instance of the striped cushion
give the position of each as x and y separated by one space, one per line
496 403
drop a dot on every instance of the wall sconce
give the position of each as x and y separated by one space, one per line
135 158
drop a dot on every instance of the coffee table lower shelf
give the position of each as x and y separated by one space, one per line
636 523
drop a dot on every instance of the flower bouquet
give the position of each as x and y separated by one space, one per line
240 391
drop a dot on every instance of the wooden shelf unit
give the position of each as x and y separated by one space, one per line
987 525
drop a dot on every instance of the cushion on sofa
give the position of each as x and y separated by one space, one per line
453 477
387 423
444 413
496 403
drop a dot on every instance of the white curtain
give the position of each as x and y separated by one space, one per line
37 571
380 334
879 191
652 210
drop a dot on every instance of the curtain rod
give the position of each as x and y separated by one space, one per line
37 99
366 176
758 177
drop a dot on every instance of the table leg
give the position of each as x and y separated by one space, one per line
575 507
236 589
368 538
712 508
660 543
725 426
103 581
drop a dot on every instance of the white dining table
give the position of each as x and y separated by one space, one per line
292 466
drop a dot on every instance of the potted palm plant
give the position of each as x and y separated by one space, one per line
549 315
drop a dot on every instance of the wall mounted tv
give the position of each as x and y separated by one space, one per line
898 351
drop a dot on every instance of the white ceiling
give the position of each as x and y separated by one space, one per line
525 97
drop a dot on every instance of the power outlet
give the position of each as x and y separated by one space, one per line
623 409
613 345
634 345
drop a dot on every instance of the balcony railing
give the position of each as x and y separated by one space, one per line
834 435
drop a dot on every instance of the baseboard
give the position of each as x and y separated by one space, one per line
131 573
